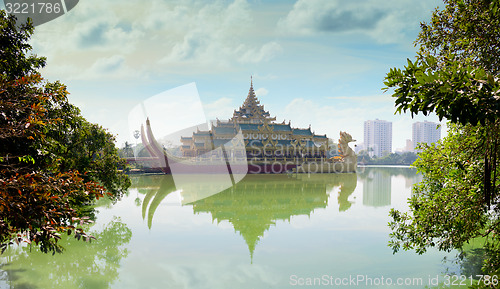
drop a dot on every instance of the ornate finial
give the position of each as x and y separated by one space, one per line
251 93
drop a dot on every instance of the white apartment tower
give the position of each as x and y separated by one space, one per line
425 132
378 137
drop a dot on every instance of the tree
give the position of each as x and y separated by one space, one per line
53 163
127 151
456 76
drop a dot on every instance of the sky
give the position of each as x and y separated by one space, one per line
313 62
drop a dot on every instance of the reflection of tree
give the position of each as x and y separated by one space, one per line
469 259
468 262
471 262
82 265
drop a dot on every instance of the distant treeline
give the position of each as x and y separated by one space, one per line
406 158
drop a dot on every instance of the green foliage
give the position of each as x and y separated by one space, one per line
448 208
127 151
73 143
467 29
453 90
53 163
456 71
406 159
14 60
441 216
456 76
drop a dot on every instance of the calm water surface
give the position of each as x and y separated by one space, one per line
268 231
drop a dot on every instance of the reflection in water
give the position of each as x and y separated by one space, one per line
25 267
377 183
256 202
377 188
157 187
410 174
343 236
469 260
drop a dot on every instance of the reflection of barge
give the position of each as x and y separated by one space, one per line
261 192
251 206
251 142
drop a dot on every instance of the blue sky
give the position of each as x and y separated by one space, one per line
317 62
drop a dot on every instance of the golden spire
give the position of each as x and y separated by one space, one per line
251 93
251 110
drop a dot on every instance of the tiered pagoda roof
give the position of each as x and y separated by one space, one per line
252 111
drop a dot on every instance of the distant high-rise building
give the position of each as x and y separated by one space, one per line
409 146
425 132
378 137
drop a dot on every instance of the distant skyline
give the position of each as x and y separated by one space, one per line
314 62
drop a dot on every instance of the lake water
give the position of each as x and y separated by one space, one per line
268 231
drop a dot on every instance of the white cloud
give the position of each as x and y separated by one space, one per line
265 53
265 77
108 64
322 15
222 108
385 21
261 91
381 98
154 37
325 118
